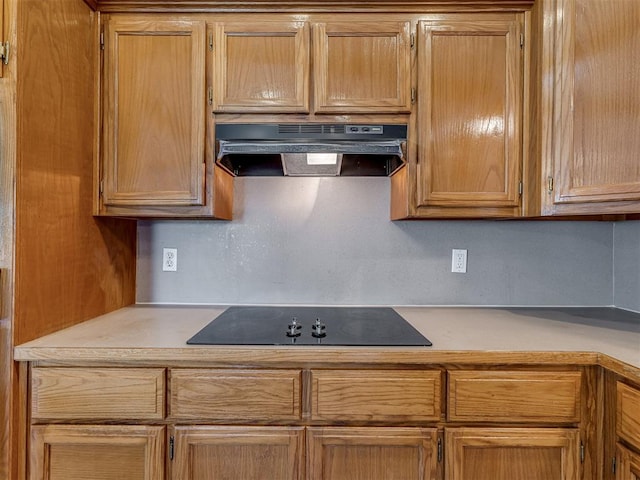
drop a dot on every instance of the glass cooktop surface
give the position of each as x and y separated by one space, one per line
353 326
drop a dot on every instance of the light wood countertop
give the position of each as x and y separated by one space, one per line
158 334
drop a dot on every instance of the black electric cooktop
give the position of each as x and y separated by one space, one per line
353 326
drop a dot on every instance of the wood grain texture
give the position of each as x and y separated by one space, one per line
351 453
594 142
510 453
376 395
362 66
628 464
233 395
64 452
261 66
628 414
247 453
470 104
69 267
97 393
514 396
154 124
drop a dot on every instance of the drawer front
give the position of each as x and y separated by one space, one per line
628 414
261 395
514 396
97 393
376 395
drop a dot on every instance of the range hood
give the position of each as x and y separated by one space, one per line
310 149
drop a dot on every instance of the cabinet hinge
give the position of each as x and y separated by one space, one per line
521 40
520 188
413 40
4 52
101 40
211 42
171 445
413 95
550 184
613 465
101 187
439 450
581 452
210 91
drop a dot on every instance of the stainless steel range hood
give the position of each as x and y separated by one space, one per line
310 149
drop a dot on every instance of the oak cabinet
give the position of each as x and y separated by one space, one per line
247 453
509 453
362 66
627 432
628 465
469 120
99 452
261 67
154 125
369 453
591 141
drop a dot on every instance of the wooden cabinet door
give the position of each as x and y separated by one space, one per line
351 453
261 67
510 453
595 114
247 453
362 66
628 464
154 111
106 452
469 116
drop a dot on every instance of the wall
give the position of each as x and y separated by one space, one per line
330 241
626 265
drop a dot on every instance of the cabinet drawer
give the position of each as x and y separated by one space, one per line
376 395
514 396
235 394
628 414
97 393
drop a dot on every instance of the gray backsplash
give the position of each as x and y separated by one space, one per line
329 241
626 265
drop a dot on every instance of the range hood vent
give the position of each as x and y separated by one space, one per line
310 149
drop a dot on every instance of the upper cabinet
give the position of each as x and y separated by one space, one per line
362 67
591 108
154 123
261 67
468 158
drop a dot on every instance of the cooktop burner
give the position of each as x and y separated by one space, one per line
353 326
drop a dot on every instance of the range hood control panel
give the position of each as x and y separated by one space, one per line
367 129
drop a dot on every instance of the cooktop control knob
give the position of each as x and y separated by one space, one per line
294 328
319 329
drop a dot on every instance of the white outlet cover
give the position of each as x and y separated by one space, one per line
459 260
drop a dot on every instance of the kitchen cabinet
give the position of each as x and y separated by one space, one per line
627 432
154 160
628 465
370 453
362 66
469 120
508 453
591 108
105 452
247 453
261 66
505 397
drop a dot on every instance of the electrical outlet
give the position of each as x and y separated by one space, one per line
169 259
458 260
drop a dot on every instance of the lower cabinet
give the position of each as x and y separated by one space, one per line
628 467
97 452
511 453
350 453
243 453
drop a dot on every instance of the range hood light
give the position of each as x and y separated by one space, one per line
322 158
